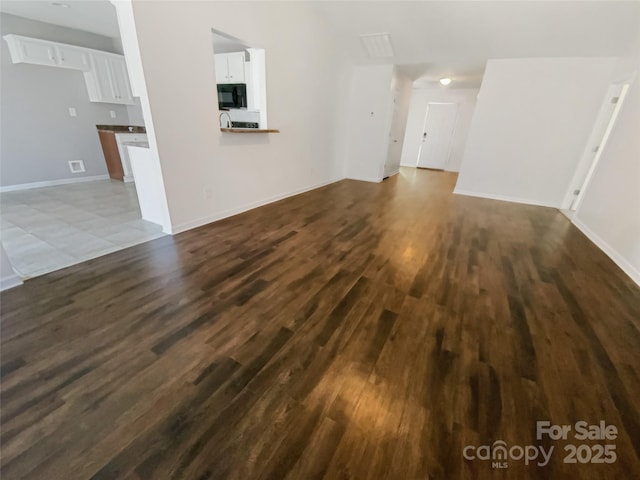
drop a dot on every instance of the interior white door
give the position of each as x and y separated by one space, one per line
394 149
598 138
437 134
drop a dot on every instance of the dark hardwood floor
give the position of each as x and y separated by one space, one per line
358 331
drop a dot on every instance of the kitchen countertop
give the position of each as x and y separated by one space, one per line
122 128
250 130
136 144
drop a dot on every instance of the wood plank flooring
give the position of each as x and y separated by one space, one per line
358 331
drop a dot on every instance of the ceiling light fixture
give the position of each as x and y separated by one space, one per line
58 4
445 81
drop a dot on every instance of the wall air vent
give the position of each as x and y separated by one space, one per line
377 45
76 166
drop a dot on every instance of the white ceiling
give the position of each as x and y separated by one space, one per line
430 38
435 38
95 16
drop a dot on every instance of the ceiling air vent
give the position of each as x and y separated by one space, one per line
377 45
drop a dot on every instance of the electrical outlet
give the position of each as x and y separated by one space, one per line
112 113
72 112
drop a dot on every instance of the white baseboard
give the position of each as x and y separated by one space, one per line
52 183
395 172
365 179
505 198
611 252
9 282
234 211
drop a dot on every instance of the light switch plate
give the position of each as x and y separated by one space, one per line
112 113
72 112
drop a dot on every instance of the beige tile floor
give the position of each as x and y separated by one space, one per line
45 229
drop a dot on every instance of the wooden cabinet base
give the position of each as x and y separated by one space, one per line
111 155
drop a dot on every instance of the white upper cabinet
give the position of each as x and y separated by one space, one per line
235 62
72 57
105 73
43 52
222 70
107 80
121 79
229 67
26 50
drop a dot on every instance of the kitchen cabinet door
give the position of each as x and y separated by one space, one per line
120 77
222 70
74 58
31 50
99 80
124 152
229 67
108 81
235 63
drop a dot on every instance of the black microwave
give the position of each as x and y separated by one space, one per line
232 95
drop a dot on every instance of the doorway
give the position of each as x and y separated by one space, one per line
396 131
437 135
59 207
595 145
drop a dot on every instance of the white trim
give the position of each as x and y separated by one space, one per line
365 179
52 183
611 252
506 198
574 202
567 213
236 210
9 282
395 172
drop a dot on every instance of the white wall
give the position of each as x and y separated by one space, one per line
420 98
610 210
39 137
530 125
209 175
369 115
135 113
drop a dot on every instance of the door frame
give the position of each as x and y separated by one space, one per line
394 110
424 126
571 201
